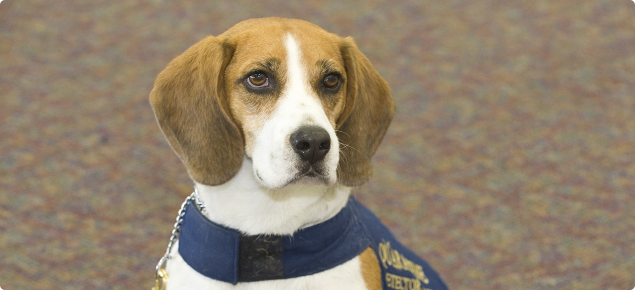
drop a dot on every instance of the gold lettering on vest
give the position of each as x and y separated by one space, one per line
392 257
402 283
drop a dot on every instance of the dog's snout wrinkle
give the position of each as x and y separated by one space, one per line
311 143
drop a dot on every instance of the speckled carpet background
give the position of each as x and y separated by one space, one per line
510 163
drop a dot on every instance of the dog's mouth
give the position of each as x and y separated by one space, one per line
310 174
306 174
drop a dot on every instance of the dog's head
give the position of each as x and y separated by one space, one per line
303 104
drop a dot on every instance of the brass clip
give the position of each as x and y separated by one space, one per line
161 280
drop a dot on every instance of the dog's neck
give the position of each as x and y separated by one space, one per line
245 205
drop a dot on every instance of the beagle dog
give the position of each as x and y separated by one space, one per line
276 120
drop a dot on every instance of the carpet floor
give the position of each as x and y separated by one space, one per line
510 163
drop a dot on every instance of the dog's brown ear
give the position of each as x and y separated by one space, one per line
192 110
366 116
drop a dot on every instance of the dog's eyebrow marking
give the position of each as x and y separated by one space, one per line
272 64
326 65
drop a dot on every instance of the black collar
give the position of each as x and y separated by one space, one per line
225 254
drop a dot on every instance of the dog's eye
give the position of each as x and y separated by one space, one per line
258 80
330 81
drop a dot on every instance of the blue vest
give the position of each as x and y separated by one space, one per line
225 254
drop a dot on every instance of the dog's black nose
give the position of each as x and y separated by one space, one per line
311 143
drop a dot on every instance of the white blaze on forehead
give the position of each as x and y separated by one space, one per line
294 70
298 92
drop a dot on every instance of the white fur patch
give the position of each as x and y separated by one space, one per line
244 204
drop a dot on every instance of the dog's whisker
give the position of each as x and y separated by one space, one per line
343 156
343 133
349 146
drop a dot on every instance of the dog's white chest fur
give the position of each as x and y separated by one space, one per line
242 203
